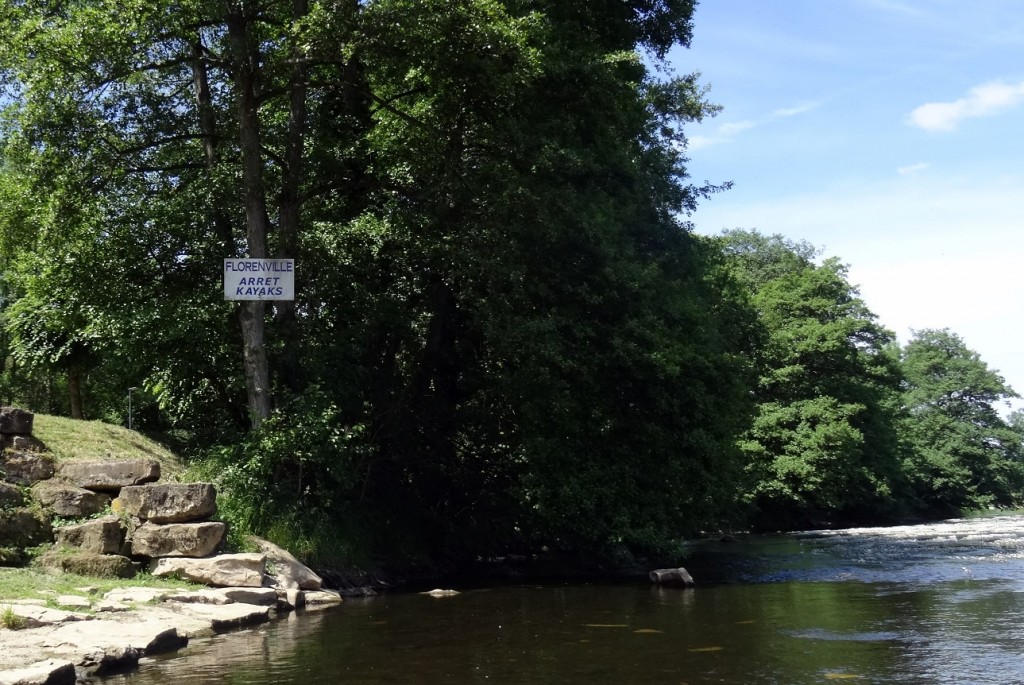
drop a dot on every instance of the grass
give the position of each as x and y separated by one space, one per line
11 620
97 441
27 583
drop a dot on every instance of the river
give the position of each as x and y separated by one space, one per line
937 603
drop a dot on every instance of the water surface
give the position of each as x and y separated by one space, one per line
942 603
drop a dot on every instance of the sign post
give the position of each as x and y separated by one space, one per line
259 279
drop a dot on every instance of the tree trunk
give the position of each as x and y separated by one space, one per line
75 392
244 65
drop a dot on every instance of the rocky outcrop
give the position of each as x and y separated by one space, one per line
177 539
169 503
109 476
69 501
10 496
26 468
288 570
101 536
14 421
24 528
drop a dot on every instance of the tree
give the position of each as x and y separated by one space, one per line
965 454
823 443
503 332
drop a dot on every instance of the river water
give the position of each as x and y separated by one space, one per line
938 603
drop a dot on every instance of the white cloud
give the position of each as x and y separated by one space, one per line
983 100
734 128
798 109
912 169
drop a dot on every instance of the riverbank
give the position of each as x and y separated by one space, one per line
108 633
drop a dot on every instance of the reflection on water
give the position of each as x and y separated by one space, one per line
942 603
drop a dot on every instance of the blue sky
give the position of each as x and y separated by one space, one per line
888 132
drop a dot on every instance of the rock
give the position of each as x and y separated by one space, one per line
36 615
671 576
225 570
21 443
101 536
437 592
169 502
284 566
323 597
69 501
26 468
107 607
82 563
227 616
12 556
177 539
227 595
73 602
23 528
49 672
109 475
15 421
137 595
10 496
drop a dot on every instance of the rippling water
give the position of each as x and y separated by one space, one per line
940 603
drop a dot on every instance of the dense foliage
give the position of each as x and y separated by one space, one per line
504 334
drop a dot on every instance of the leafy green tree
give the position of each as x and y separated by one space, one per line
823 445
504 333
965 454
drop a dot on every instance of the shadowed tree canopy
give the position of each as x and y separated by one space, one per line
503 331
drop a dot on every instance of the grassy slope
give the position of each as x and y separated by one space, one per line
98 441
88 441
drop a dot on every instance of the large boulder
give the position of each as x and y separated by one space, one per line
69 501
49 672
177 539
169 502
24 528
83 563
10 496
102 536
109 476
288 570
14 421
26 468
225 570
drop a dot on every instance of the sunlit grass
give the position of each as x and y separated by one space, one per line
28 583
97 441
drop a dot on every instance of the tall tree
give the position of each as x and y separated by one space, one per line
965 454
823 444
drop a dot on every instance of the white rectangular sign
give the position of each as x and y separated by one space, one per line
259 279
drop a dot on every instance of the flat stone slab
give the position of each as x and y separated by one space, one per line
48 672
36 615
109 476
259 596
224 570
169 502
323 597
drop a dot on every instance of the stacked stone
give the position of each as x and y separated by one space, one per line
21 526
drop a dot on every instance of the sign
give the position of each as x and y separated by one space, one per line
259 279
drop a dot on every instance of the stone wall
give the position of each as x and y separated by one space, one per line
165 527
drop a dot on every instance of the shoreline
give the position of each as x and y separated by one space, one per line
62 647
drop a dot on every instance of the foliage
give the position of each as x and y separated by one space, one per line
823 444
966 455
